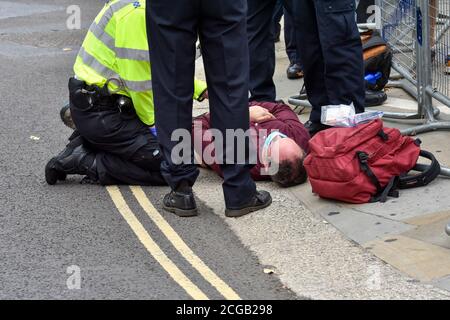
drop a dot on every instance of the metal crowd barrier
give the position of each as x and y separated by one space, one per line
418 33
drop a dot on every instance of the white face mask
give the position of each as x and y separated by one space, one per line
267 143
272 136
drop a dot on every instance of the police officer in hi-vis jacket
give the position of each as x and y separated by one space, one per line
111 104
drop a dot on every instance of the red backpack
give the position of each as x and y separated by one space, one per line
366 163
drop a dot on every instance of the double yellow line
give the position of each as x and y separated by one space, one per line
152 247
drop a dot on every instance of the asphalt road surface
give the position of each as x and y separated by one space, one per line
118 240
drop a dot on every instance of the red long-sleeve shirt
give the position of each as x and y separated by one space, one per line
286 122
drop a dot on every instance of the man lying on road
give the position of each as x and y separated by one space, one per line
111 104
278 136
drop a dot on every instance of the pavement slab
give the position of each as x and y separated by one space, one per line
363 227
419 259
432 232
443 283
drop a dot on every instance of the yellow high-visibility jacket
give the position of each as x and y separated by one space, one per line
116 47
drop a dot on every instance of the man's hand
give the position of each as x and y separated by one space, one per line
259 114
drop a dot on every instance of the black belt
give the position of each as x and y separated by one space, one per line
96 99
106 103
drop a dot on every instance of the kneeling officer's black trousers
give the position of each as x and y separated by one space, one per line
125 150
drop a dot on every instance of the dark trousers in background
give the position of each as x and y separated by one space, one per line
290 37
331 51
172 27
125 150
262 49
278 12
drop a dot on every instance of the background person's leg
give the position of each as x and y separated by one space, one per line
224 43
262 50
276 20
172 32
295 69
290 39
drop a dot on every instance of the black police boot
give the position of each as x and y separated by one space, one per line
375 98
74 159
294 71
260 200
315 127
66 117
181 201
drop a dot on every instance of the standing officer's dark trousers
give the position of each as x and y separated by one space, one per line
173 26
331 51
109 146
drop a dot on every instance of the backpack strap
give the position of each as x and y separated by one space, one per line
424 178
391 190
382 193
363 157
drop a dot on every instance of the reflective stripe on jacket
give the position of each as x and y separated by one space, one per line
116 47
